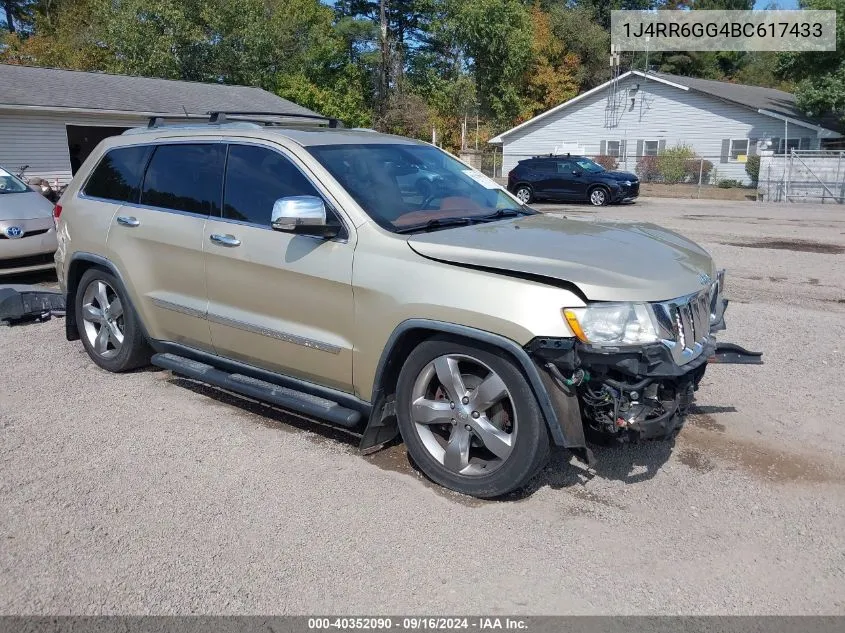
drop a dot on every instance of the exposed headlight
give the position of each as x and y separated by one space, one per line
613 323
628 183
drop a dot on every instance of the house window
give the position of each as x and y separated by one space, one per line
739 147
791 143
614 148
651 148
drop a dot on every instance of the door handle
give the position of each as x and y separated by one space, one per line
225 240
128 220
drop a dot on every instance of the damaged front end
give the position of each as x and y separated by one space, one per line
634 368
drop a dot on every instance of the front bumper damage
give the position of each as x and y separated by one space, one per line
625 393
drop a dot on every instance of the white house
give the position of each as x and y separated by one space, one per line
640 113
51 118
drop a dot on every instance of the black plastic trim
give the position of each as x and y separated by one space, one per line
321 408
236 367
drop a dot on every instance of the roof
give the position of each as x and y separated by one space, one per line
306 136
766 101
56 89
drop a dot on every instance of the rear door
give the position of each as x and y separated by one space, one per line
158 241
544 178
278 300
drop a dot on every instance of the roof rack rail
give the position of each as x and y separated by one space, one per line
219 117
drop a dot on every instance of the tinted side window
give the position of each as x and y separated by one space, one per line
255 178
544 166
185 177
566 167
118 175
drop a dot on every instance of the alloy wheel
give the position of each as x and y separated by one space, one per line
464 415
523 194
103 319
598 197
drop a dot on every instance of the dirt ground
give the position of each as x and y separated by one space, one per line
147 493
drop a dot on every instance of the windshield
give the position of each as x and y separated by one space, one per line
587 165
402 186
10 184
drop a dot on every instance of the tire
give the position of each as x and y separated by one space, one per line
452 446
524 193
122 346
598 196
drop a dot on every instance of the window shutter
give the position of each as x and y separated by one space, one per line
639 148
726 150
622 155
661 145
752 146
603 148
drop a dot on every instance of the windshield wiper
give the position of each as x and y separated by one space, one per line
436 224
505 213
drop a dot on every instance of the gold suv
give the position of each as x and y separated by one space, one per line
380 284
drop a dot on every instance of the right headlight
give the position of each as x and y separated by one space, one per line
613 323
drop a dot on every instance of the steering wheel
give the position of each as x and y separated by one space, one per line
428 199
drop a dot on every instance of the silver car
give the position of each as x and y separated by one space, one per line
27 228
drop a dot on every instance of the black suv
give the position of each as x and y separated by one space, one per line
570 178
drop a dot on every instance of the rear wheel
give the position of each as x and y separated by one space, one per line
109 327
470 419
524 194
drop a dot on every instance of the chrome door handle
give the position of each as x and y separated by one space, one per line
128 220
225 240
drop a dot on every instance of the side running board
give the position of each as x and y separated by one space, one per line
260 390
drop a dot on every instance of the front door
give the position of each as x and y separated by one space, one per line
572 179
277 300
157 242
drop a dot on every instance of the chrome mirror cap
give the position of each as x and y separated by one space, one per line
298 211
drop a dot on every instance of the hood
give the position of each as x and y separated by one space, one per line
607 261
27 205
621 175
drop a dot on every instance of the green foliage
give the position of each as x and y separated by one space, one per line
820 75
752 168
496 34
728 183
672 163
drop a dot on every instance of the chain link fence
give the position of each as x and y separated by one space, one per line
803 176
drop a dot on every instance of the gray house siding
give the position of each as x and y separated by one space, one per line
659 112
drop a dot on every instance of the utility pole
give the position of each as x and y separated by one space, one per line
385 56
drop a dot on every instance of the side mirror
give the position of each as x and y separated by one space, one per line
301 214
575 172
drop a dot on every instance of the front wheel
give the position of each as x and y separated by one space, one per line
470 419
599 197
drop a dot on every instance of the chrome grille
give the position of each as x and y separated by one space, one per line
684 323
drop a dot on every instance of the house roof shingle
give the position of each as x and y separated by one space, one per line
755 97
56 88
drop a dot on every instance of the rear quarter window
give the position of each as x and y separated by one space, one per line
118 174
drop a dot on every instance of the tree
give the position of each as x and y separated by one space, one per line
496 36
820 75
551 76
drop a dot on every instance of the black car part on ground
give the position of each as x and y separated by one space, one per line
631 393
21 303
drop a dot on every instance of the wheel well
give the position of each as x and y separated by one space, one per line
408 341
76 269
598 186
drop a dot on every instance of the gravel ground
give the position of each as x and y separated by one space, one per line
146 493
